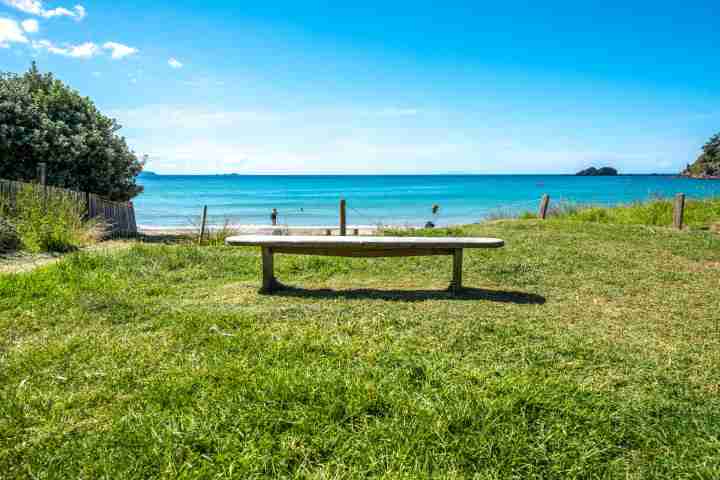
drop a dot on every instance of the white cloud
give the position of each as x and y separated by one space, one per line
35 7
174 63
30 25
84 50
119 50
10 32
32 7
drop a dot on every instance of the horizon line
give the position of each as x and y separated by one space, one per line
290 174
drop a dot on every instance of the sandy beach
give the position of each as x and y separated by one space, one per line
267 229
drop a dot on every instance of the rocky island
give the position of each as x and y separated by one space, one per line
597 172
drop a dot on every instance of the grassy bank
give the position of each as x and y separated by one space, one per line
699 213
41 222
581 350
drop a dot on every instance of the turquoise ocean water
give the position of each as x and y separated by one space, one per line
176 201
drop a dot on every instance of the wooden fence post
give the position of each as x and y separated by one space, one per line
42 179
133 222
86 199
343 218
202 224
42 173
679 211
544 203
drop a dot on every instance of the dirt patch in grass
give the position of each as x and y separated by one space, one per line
19 262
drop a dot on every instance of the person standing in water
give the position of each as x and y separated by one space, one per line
273 216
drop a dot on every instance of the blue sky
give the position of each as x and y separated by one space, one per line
386 87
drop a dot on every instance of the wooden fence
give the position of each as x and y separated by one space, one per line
119 216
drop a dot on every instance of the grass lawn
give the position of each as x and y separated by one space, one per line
581 350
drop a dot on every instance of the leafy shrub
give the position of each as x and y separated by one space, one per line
51 222
44 120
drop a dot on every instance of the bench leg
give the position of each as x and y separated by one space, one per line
456 284
269 283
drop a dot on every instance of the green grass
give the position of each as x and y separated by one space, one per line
581 350
698 213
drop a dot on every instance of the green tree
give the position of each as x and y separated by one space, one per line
708 163
44 120
712 148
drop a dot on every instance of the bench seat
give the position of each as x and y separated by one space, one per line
360 247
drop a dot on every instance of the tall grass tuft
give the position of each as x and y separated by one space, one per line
658 212
216 236
50 222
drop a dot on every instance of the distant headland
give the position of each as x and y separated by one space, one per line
707 165
597 172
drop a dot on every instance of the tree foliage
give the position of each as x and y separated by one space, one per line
708 163
44 120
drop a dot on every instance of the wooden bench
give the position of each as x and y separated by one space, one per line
361 247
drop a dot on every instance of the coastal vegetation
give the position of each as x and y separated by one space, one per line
49 222
583 349
699 213
707 164
44 120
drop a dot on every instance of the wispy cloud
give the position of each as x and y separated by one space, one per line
119 50
205 139
151 117
83 50
35 7
355 139
30 25
10 32
175 63
396 112
203 82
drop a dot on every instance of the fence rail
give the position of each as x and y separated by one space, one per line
119 216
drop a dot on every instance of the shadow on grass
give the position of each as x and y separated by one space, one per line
501 296
165 238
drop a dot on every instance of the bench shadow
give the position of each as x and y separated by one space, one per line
501 296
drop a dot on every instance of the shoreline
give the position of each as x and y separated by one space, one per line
267 229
